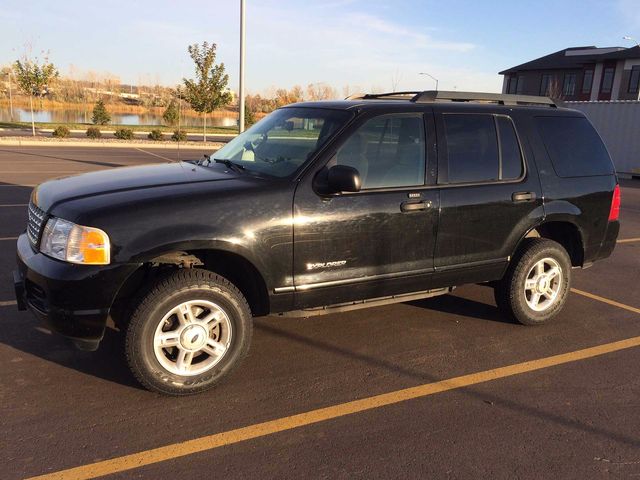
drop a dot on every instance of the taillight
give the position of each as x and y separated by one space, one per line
614 213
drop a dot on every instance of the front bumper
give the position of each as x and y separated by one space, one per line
72 300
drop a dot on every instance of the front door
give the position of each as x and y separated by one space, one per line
375 242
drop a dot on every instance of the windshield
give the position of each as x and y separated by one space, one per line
283 141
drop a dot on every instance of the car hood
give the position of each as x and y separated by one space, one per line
53 192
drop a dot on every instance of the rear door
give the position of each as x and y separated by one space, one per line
489 191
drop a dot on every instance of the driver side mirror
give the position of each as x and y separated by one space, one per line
342 178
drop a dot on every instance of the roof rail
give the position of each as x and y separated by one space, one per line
432 96
383 96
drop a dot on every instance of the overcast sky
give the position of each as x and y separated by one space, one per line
368 44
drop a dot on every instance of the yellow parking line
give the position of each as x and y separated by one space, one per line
629 240
8 303
15 205
210 442
8 238
606 300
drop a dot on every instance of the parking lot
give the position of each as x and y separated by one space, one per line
438 388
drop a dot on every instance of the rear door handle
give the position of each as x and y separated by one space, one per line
523 196
414 206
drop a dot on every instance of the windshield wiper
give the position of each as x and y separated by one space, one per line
230 164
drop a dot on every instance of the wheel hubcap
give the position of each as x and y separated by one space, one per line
192 337
542 285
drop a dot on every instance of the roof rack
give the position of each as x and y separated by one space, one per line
432 96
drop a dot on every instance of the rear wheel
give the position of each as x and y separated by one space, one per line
536 285
188 332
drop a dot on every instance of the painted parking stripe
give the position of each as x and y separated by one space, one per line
15 205
8 303
606 300
629 240
8 238
230 437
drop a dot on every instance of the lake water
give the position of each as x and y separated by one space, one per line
79 116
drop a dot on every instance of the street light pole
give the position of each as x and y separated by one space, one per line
431 77
241 89
631 39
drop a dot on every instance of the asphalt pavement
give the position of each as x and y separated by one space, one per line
439 388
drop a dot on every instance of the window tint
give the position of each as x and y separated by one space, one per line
510 148
472 148
575 148
388 151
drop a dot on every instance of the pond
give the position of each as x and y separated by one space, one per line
79 116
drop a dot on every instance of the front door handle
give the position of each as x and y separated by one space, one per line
414 206
523 196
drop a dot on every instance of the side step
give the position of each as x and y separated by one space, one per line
373 302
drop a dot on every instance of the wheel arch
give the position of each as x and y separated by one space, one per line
563 231
232 265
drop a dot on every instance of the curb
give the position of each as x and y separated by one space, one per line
103 144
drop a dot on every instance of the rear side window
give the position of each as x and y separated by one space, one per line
574 146
481 148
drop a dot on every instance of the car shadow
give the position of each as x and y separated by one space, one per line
464 307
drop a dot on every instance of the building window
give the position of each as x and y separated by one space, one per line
512 85
587 81
520 85
569 87
634 79
607 80
544 84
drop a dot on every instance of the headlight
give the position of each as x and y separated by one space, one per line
74 243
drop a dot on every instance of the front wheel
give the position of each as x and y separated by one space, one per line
537 283
188 332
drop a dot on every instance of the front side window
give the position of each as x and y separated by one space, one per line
388 151
482 148
634 79
282 142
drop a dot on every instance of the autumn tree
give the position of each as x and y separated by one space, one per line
34 78
208 90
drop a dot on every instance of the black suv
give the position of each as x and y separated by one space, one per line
318 208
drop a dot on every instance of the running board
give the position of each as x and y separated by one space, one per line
373 302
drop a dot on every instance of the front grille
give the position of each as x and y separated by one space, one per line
35 224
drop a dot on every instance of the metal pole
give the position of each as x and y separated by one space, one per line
241 89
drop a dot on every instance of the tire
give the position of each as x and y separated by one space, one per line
189 331
515 294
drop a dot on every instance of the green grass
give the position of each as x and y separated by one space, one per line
135 128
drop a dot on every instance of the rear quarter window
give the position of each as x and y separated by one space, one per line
574 146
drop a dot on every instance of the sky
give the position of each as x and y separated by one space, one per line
367 45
